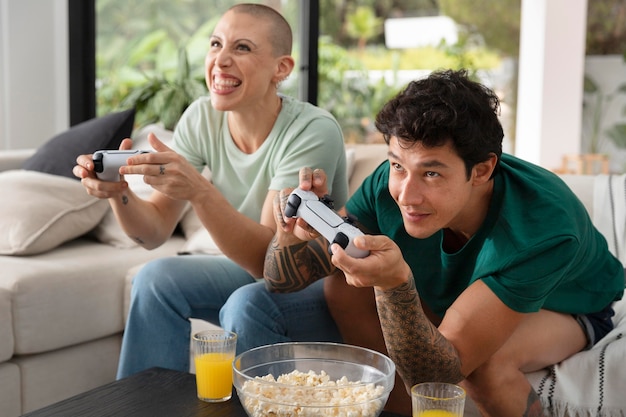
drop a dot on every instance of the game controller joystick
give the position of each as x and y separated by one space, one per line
107 163
316 212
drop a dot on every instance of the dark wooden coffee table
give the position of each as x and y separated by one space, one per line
155 392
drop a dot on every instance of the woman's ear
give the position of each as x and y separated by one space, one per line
284 67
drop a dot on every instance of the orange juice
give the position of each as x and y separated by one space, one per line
214 375
436 413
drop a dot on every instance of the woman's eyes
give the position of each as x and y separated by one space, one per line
240 47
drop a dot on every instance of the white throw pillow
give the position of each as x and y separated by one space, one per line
200 242
41 211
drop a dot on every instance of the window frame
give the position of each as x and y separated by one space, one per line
82 56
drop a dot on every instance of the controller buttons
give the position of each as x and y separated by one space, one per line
321 210
291 209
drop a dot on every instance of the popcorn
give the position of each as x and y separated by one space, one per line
341 398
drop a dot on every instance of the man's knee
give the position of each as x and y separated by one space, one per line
489 383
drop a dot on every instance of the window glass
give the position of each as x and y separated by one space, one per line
367 51
143 50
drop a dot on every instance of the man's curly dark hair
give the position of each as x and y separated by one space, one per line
446 105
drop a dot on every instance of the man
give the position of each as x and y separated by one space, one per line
483 266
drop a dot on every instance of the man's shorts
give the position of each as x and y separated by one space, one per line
596 325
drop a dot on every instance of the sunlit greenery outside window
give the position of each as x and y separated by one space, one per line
151 54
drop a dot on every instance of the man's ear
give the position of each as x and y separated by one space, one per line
482 171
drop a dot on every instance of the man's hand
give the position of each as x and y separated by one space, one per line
384 268
295 230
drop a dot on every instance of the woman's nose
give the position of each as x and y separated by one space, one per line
222 58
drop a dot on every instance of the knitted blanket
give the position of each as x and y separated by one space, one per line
592 383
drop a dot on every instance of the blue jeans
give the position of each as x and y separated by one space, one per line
260 317
165 294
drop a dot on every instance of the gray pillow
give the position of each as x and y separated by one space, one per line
58 155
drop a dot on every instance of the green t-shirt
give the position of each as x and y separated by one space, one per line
303 136
537 247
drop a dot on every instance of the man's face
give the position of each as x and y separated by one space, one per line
430 186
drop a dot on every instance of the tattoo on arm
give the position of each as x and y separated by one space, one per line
533 405
292 268
420 352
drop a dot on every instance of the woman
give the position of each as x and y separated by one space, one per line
253 141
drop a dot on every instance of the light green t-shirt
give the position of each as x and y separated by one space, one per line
303 136
537 247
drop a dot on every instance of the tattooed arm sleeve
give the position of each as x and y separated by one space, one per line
291 268
419 351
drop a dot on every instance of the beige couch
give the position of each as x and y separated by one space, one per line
62 311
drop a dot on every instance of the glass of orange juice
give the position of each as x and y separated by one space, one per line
437 399
213 353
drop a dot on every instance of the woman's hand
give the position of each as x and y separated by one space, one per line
84 170
168 172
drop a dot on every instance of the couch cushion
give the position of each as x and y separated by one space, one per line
10 390
367 158
54 376
40 211
609 212
72 294
6 328
58 155
582 186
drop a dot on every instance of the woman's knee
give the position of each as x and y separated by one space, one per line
155 275
245 301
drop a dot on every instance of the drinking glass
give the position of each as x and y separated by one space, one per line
213 353
437 399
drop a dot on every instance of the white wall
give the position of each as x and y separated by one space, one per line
551 72
34 81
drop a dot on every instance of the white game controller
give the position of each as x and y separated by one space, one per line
317 213
107 163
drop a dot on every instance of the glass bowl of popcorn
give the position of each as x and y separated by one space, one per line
315 379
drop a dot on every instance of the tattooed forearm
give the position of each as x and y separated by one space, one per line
533 405
420 352
292 268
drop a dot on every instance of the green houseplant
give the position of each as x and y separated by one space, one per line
164 100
